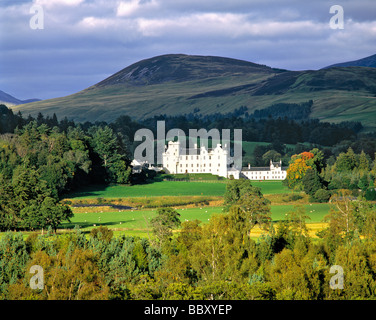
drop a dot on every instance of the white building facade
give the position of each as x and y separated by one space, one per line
274 172
217 161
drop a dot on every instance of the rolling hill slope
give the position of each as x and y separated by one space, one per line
9 100
182 84
365 62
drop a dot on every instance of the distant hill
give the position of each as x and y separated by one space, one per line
184 84
9 100
182 68
365 62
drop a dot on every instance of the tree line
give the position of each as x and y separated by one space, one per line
308 171
41 160
214 260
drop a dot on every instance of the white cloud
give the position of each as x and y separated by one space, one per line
57 3
132 7
227 25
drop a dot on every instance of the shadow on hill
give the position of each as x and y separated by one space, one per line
114 206
86 191
86 224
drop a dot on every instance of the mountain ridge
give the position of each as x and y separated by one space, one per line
364 62
179 84
177 67
9 100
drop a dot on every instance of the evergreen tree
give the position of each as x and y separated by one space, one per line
311 182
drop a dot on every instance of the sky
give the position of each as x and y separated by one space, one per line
53 48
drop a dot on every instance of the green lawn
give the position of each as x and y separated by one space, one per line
170 188
156 189
271 187
316 211
136 222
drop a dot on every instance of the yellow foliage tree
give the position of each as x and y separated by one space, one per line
297 169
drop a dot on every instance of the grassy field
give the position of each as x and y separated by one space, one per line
170 188
184 196
156 189
193 200
136 222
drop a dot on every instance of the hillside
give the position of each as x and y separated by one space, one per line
9 100
365 62
182 84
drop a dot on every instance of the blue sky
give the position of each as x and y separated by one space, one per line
85 41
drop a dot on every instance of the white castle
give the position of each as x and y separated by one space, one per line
216 161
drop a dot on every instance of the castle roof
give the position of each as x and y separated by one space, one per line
256 169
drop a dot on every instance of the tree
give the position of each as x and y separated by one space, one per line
102 233
311 182
271 155
104 143
53 213
317 161
363 162
252 208
346 161
166 220
235 189
112 153
321 195
297 220
297 169
13 259
342 217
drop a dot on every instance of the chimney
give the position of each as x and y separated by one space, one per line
249 166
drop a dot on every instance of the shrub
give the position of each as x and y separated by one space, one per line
321 196
370 194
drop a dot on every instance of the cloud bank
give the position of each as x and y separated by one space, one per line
84 41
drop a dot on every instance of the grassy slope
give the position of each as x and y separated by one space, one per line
136 222
339 94
170 188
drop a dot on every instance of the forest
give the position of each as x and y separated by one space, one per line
217 260
42 158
